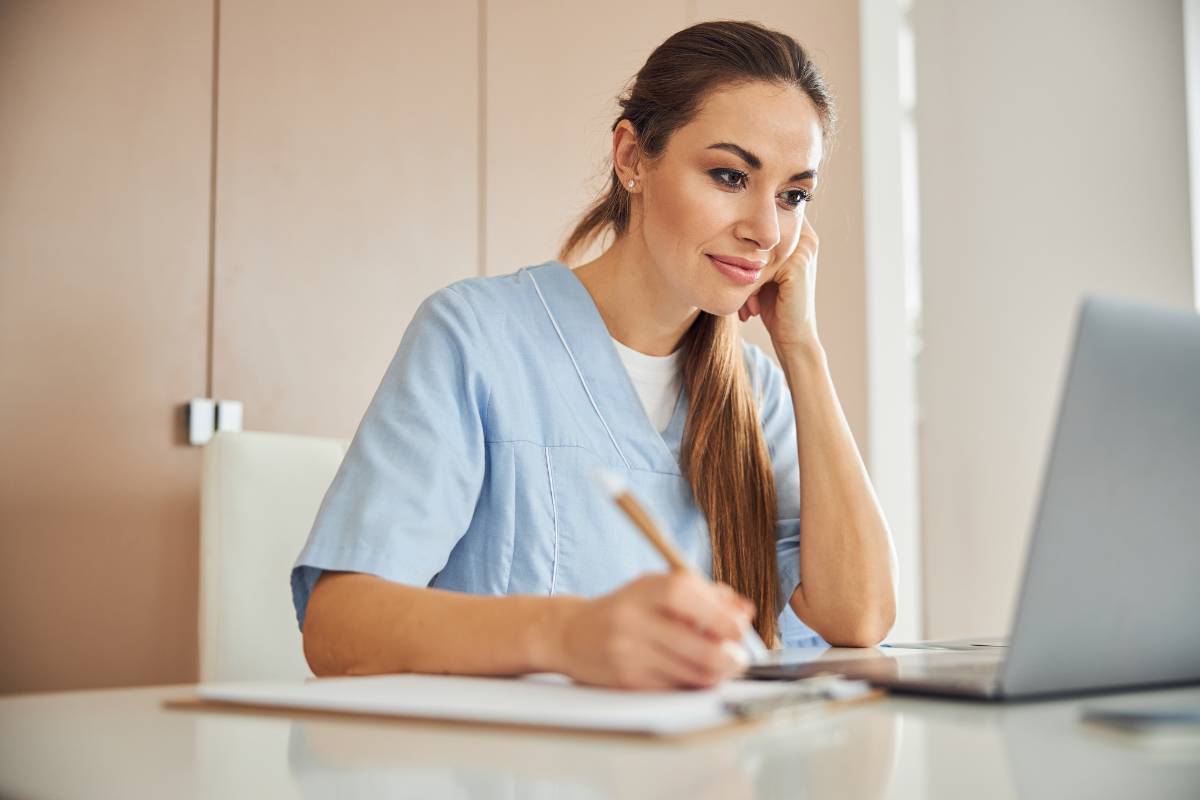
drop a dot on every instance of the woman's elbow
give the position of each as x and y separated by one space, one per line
861 636
325 654
318 651
865 629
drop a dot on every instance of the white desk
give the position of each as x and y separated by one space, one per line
123 744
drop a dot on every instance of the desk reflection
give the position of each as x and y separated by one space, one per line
849 753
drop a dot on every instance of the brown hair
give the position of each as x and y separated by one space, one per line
724 454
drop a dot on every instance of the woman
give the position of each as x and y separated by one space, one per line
463 533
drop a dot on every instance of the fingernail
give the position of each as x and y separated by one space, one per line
736 652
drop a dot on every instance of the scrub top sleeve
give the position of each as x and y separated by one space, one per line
407 489
779 430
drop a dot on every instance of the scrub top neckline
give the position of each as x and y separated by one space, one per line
619 406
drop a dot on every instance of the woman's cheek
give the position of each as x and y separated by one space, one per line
792 239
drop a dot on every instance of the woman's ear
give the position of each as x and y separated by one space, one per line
627 154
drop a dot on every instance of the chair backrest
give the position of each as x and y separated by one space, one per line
259 496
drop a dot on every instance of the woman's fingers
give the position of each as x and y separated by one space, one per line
701 604
750 308
698 629
665 630
661 679
743 604
693 658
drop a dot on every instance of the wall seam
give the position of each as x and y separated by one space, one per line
481 133
212 198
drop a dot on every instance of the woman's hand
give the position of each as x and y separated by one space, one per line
661 631
787 302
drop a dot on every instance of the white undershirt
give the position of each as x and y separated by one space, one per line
657 380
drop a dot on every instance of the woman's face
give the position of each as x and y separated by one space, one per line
730 184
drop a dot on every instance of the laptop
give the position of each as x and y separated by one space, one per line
1110 596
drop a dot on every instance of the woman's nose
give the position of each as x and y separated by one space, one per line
760 225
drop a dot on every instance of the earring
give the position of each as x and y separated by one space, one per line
631 182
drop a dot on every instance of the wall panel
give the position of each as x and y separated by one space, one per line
104 186
554 71
346 193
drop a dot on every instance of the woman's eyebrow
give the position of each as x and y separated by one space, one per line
755 162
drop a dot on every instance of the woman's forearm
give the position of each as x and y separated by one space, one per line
847 563
359 624
662 630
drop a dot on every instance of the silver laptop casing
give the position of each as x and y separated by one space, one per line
1111 591
1110 595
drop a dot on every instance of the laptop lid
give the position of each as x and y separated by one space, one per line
1111 592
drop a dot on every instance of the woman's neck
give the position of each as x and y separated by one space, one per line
637 308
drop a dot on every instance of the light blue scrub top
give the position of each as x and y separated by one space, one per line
472 467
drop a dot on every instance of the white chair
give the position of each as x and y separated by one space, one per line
259 495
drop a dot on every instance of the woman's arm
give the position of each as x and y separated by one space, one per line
847 590
662 630
359 624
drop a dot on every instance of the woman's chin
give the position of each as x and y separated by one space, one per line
717 309
724 306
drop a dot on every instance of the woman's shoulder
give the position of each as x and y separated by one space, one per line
489 295
473 315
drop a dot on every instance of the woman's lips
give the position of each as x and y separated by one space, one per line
738 274
744 263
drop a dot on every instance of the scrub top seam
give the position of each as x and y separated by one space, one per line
554 513
540 444
584 448
578 371
511 541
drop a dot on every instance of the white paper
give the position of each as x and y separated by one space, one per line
544 700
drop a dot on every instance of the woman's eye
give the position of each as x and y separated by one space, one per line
794 197
732 178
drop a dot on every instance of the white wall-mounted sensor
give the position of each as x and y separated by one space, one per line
229 415
202 418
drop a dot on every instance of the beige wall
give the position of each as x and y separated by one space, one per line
346 181
104 187
1052 162
365 153
547 129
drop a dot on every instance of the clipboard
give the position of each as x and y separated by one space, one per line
532 702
